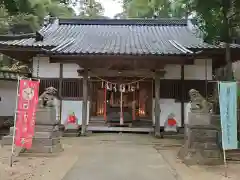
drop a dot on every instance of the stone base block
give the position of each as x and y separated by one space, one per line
201 146
6 140
207 157
199 119
46 116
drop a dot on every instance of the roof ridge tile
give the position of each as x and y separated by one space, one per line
125 22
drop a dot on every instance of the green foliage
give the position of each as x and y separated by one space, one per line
150 8
28 15
24 23
213 17
4 20
94 10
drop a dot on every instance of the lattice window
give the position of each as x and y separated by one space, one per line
48 82
72 88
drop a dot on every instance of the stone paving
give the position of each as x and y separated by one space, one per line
120 160
112 156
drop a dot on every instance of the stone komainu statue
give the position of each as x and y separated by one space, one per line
48 98
198 103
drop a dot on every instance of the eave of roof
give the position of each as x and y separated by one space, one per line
114 37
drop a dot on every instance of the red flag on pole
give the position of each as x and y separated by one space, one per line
26 113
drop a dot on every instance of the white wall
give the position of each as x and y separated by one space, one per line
8 94
197 71
70 71
46 69
52 70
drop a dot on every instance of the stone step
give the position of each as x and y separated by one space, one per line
76 134
233 155
45 149
41 128
7 140
53 134
204 145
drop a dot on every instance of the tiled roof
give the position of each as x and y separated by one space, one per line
129 37
11 75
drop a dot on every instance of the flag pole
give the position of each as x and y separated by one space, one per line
121 107
14 127
225 163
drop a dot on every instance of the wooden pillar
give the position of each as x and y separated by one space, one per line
182 96
60 91
157 110
85 102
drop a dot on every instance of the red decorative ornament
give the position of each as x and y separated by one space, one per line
172 122
72 119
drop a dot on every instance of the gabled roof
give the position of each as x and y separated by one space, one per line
111 36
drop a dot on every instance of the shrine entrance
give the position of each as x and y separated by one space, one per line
121 102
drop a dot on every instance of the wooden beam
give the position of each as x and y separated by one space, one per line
122 62
85 102
182 95
125 73
157 110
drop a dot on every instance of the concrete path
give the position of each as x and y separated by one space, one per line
101 160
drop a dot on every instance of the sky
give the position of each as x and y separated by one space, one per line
112 7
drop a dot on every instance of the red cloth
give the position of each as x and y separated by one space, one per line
26 113
172 122
72 119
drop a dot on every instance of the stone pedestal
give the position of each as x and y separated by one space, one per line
201 141
47 135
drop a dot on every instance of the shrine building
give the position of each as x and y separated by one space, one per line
117 75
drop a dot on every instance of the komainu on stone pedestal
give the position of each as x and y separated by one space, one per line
47 135
201 136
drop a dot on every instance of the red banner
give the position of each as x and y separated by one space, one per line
26 113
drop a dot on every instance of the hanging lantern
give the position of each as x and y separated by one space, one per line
137 85
122 88
102 84
129 87
110 87
132 88
115 87
107 86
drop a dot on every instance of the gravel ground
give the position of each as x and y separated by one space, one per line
36 168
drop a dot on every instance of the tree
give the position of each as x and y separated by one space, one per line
91 9
218 22
153 8
4 20
28 15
